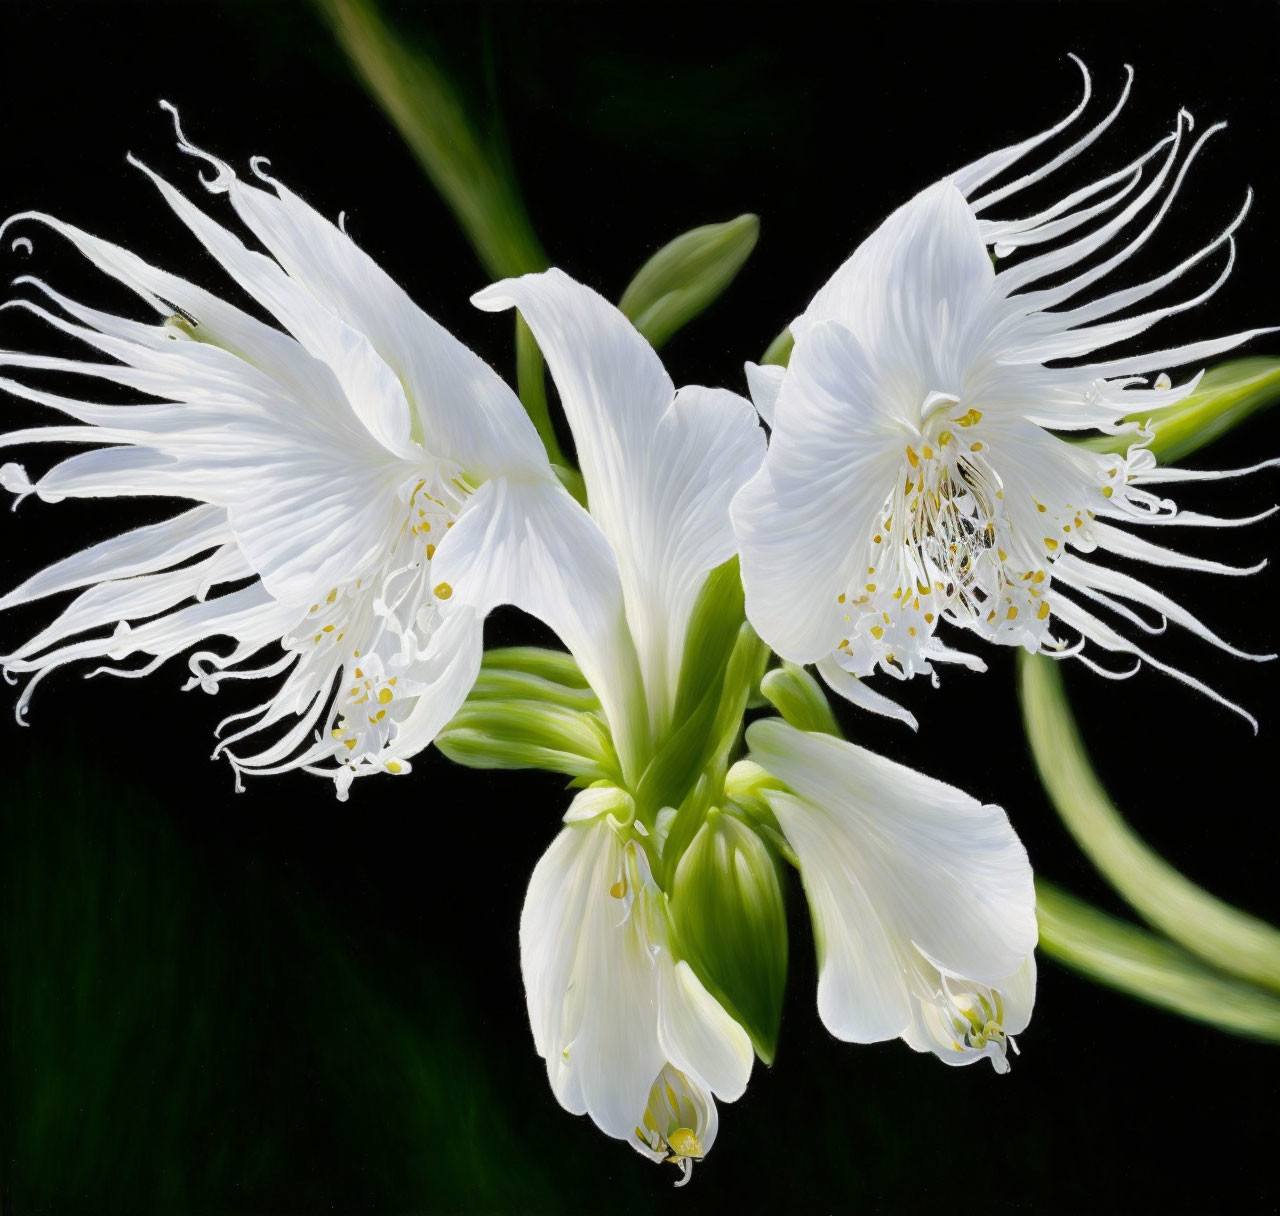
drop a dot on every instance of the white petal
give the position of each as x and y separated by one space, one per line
528 543
803 519
698 1036
891 858
764 381
590 981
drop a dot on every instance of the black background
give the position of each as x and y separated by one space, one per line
276 1002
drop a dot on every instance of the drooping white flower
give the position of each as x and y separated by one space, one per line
922 898
914 473
629 1033
329 459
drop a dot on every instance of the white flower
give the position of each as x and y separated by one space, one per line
661 467
630 1035
914 474
328 460
922 898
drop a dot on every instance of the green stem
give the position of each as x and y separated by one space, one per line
429 115
1149 968
1232 940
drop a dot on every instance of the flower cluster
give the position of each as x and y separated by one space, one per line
364 490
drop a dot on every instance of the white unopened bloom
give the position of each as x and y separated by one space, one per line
329 460
914 474
922 898
629 1033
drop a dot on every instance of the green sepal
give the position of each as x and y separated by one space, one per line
556 665
1224 398
686 276
709 641
705 737
799 698
529 673
779 352
730 919
529 734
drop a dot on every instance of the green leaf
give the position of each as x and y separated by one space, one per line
529 734
1223 399
686 276
799 698
730 918
1148 967
1232 940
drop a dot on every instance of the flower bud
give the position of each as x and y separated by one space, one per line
686 276
727 908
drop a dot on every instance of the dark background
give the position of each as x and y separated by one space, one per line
274 1002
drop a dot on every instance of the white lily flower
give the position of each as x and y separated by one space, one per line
922 898
328 460
629 1033
914 475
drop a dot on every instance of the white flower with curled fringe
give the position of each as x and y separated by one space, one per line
915 475
329 461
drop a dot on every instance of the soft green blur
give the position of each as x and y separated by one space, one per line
1229 939
1148 967
164 1053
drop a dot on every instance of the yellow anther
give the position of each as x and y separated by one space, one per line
928 452
877 632
349 744
1107 491
443 591
970 418
944 439
913 459
1013 612
928 618
1050 543
1044 610
840 598
871 586
394 766
618 890
385 696
975 447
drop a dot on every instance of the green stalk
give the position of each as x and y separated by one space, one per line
1232 940
1149 968
472 175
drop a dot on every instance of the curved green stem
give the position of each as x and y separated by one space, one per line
1149 968
1232 940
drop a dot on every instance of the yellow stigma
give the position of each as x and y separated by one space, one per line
683 1143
